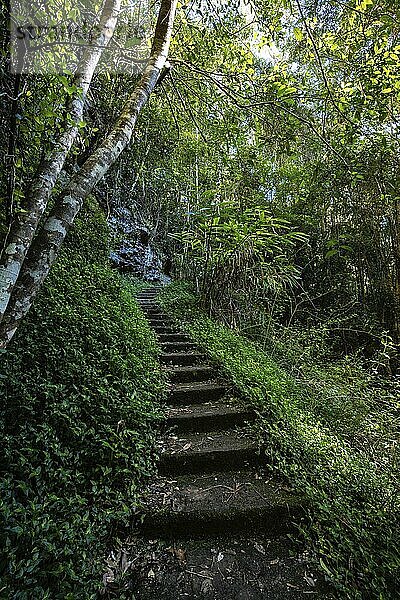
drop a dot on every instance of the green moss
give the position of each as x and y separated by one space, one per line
352 488
81 387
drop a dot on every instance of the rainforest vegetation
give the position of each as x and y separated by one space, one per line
258 143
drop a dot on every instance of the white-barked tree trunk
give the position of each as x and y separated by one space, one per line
47 243
22 233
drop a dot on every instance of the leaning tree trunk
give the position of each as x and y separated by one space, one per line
21 236
48 242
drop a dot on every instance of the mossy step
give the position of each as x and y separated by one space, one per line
144 293
181 358
174 337
246 565
150 306
216 450
163 322
156 315
185 346
208 416
160 323
196 392
186 374
148 300
161 329
220 502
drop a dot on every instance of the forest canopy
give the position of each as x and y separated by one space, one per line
277 116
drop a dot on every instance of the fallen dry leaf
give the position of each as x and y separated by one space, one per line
178 553
259 548
309 580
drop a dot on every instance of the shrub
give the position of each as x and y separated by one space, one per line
80 385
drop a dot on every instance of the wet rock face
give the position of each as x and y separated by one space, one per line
133 253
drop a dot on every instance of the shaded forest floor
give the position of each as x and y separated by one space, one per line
246 567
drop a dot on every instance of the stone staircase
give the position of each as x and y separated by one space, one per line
216 522
210 467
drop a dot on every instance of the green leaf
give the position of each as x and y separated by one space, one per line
298 34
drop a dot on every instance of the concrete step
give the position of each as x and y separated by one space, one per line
196 392
157 319
160 322
156 315
245 565
186 346
149 304
161 329
174 337
181 358
187 374
208 416
221 502
146 293
216 450
149 291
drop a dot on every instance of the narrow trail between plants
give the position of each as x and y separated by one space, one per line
216 524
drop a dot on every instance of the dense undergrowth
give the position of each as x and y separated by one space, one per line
331 432
78 387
